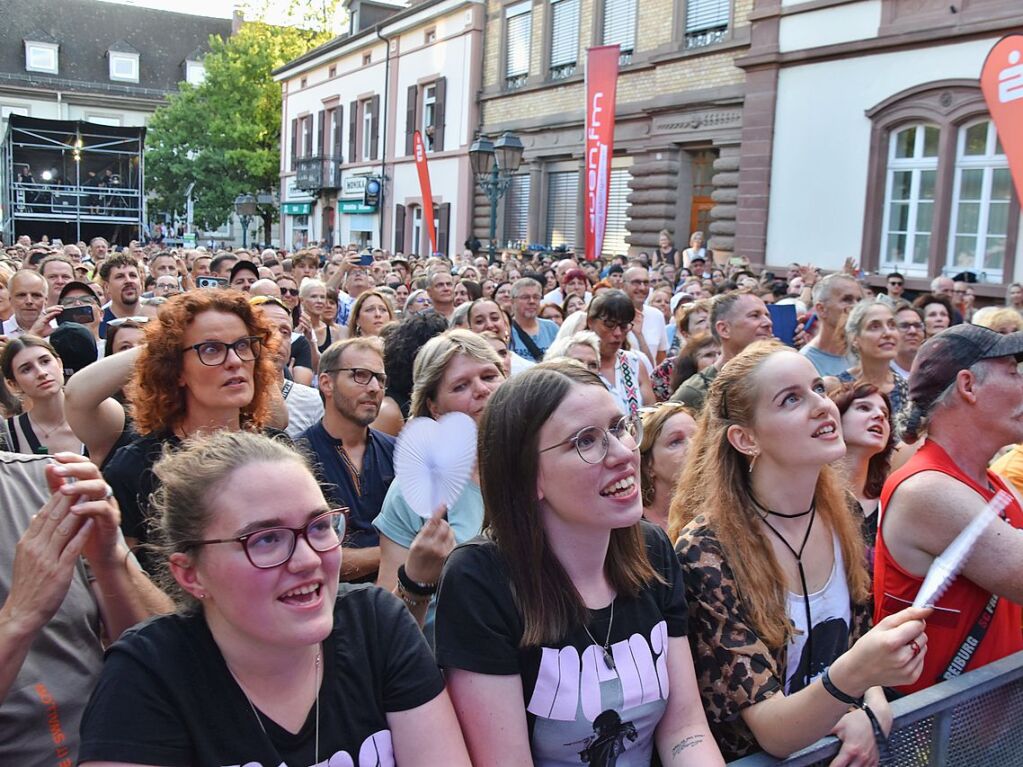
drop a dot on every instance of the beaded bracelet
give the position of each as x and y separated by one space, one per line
415 587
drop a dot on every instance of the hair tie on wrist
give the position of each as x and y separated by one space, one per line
838 694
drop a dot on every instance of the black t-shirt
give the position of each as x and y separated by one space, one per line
129 472
578 710
166 696
301 352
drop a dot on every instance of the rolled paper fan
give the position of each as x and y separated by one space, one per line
434 459
946 567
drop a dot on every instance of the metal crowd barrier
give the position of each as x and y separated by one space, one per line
975 720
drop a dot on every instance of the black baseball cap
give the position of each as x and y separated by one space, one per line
75 346
76 285
957 348
243 266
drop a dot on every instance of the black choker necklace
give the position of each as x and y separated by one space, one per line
764 510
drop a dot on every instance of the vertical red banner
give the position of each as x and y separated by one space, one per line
601 85
419 150
1001 80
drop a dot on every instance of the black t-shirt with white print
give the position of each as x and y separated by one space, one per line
166 697
578 710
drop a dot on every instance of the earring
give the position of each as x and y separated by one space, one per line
753 461
200 595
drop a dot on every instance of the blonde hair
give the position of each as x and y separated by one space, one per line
432 360
715 483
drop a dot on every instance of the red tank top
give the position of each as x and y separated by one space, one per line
961 605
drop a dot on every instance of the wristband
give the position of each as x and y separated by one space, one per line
838 694
415 587
411 599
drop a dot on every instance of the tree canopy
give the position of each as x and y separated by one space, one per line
225 133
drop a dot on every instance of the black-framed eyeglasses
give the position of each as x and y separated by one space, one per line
362 376
289 291
625 327
213 353
896 283
592 442
274 546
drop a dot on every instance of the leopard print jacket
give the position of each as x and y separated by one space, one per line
734 667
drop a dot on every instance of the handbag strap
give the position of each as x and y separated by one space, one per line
528 342
974 637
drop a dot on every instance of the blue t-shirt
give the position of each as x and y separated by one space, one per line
543 339
400 523
363 499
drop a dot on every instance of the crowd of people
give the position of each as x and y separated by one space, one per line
689 534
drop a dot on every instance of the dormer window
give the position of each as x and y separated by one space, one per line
41 57
195 72
124 62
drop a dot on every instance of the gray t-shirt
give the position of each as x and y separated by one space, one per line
39 718
826 364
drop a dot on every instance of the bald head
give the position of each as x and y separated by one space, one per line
265 288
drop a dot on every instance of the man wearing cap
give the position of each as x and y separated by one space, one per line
76 294
967 394
243 274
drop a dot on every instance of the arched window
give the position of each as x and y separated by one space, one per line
939 196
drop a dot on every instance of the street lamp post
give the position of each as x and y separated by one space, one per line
245 207
494 165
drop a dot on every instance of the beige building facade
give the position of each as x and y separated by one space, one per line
679 118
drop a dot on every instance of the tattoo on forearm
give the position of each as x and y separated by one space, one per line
690 741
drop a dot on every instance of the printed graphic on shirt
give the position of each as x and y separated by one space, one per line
376 751
589 713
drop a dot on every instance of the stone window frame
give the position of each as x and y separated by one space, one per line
950 105
548 43
501 85
679 28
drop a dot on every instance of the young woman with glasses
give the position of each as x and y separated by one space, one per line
206 366
775 570
454 372
562 631
269 660
611 316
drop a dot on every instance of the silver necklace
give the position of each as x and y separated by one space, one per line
605 648
259 719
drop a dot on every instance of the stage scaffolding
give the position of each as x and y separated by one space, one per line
72 180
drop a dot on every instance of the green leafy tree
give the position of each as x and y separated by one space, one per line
224 135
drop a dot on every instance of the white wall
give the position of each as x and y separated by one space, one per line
822 144
829 26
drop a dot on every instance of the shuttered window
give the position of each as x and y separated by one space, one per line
564 37
620 24
516 210
615 232
519 22
562 208
706 21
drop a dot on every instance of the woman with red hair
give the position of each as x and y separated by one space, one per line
207 365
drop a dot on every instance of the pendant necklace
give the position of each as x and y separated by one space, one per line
812 511
605 648
259 719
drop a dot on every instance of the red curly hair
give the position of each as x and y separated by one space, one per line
154 390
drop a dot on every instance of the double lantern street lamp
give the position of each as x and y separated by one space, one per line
245 207
494 164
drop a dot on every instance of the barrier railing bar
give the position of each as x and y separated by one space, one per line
938 701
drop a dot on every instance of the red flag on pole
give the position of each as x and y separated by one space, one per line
601 84
1001 80
419 149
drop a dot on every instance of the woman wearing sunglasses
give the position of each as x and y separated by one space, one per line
270 661
562 631
206 366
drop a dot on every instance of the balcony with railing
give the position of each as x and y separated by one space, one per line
318 172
